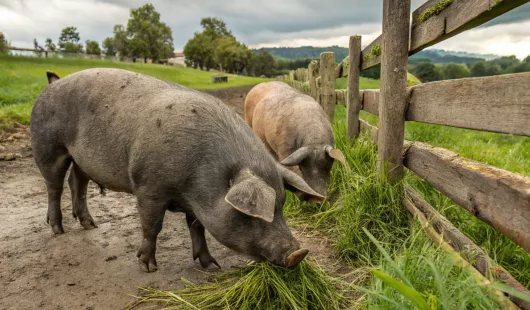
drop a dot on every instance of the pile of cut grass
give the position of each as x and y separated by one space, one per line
258 286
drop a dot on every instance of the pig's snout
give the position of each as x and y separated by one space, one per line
295 258
311 199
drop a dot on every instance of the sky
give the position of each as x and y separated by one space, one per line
287 23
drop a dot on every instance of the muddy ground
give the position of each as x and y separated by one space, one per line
93 269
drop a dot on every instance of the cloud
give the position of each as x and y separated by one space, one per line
265 23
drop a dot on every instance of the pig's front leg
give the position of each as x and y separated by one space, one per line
200 248
151 216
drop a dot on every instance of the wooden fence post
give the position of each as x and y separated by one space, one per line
353 102
393 98
313 73
327 78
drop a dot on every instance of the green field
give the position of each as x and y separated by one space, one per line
399 248
23 78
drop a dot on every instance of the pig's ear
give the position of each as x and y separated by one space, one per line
337 155
292 179
52 77
296 157
253 197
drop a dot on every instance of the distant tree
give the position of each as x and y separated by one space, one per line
455 71
148 37
479 69
200 49
231 55
92 47
69 41
426 72
215 28
263 64
37 47
372 73
527 59
109 48
4 45
50 45
505 62
199 52
522 67
493 69
417 60
121 43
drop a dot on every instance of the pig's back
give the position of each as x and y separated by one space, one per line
117 124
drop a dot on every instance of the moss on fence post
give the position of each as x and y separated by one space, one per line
374 52
435 10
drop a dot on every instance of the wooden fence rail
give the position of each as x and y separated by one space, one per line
497 104
436 21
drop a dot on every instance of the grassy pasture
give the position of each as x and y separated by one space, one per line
23 78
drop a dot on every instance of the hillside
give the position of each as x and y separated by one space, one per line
435 56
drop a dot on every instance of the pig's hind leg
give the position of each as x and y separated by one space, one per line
200 248
78 182
53 164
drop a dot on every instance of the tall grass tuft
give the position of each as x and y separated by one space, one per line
427 270
358 199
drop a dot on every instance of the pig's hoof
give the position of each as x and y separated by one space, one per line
88 222
147 264
206 260
57 228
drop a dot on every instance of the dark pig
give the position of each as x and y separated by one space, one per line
175 149
295 130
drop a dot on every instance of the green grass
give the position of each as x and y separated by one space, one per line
22 79
364 83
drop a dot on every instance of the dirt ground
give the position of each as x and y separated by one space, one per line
93 269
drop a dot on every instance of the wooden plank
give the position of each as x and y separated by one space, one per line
369 59
464 245
341 95
393 98
28 49
354 97
327 78
372 131
458 16
497 103
482 281
371 101
495 196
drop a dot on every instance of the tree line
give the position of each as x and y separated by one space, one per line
215 47
427 71
144 37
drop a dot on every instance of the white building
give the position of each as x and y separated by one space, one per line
177 60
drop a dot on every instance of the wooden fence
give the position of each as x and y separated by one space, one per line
498 104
